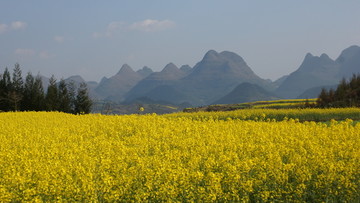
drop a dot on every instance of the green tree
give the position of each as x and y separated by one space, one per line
38 95
51 97
5 87
28 97
340 94
17 80
16 90
83 102
347 94
323 100
72 95
64 97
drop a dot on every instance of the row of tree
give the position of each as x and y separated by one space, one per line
347 94
17 94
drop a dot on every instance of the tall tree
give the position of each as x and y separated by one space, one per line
72 95
17 80
1 92
16 91
64 97
39 95
83 102
5 87
52 95
347 94
28 97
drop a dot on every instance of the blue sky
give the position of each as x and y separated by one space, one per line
93 38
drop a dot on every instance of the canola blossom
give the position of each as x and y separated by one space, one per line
176 158
312 114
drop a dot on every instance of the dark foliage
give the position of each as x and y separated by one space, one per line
82 102
17 94
347 94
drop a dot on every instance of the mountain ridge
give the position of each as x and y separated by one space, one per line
246 92
217 74
316 71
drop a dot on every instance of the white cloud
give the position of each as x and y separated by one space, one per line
59 39
150 25
24 52
147 25
3 28
17 25
45 55
111 28
96 35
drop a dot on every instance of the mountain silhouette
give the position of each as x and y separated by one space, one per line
147 86
115 87
316 72
223 77
313 72
246 92
145 71
216 75
349 61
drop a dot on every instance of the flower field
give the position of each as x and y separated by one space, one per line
198 157
313 114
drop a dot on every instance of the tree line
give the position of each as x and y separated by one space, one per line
19 94
347 94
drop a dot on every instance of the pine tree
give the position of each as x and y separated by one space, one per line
64 97
354 88
322 100
16 91
1 92
5 87
28 97
347 94
17 80
72 95
52 95
38 95
83 102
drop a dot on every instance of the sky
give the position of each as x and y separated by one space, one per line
94 38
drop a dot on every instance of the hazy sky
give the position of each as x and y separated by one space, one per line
93 38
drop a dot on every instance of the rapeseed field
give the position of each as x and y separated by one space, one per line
50 156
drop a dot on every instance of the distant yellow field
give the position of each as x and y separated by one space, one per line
177 157
311 114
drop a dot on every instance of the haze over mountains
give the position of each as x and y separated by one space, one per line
320 71
224 77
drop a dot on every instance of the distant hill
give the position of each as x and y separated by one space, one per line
214 76
145 71
246 92
314 92
76 80
45 81
320 71
221 77
115 87
349 60
186 69
149 85
313 72
279 81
